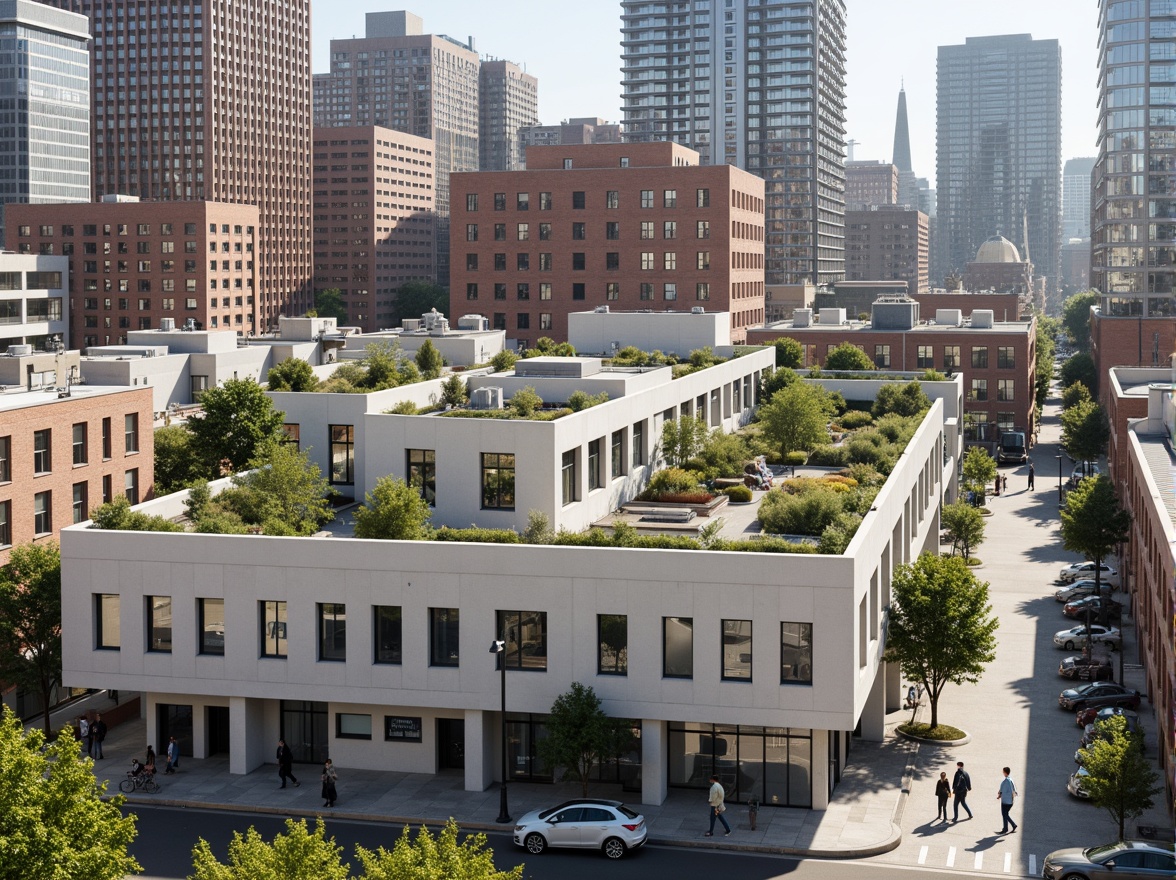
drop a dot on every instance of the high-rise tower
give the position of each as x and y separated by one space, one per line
717 78
902 136
210 101
998 149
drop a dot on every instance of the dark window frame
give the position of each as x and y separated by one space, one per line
331 625
387 635
444 651
620 666
205 646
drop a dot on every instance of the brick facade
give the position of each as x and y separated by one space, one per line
1129 341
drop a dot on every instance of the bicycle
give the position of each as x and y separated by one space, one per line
135 782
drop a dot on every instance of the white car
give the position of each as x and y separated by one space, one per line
1069 639
1077 570
608 826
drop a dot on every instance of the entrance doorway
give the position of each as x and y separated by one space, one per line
304 728
450 744
174 720
218 730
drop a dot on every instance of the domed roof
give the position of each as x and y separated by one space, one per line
998 249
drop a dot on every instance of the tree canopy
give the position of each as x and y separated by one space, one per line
906 399
1093 522
393 511
779 378
117 515
284 493
964 525
1086 431
428 360
1121 780
789 353
796 418
292 374
1047 331
979 470
580 735
329 303
416 298
176 463
1075 394
682 439
30 621
54 822
238 418
454 391
942 630
848 356
1076 317
1079 368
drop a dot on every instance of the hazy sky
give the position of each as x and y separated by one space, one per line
574 49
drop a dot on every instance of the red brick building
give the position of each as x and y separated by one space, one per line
60 457
630 226
870 183
374 220
1004 306
133 263
1123 335
1127 395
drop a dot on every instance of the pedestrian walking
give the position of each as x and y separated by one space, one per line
1004 484
149 761
84 733
1030 476
996 489
173 755
961 784
286 764
942 793
717 807
1006 795
330 777
97 735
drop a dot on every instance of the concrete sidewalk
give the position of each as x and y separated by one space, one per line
859 822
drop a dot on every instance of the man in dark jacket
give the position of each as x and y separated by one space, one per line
97 735
960 786
286 764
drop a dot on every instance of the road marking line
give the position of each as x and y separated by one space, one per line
1033 865
922 855
951 853
979 861
1008 864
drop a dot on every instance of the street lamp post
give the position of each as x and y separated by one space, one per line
499 648
1059 458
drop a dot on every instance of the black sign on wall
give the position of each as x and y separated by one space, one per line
402 728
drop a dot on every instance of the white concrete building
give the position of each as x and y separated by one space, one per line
34 300
471 342
604 331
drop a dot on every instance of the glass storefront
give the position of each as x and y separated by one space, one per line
773 764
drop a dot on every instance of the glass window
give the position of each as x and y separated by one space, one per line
796 653
568 476
951 357
616 455
291 435
1005 389
1006 359
107 626
670 229
342 454
579 202
498 480
578 232
613 636
646 198
106 434
159 623
273 629
5 459
42 451
332 630
131 485
703 261
500 232
5 523
979 390
349 725
702 198
471 201
443 633
212 626
387 622
80 503
131 431
471 232
612 231
647 229
882 357
612 199
545 232
702 229
523 231
79 443
421 468
670 198
595 479
500 201
525 634
544 201
737 650
670 259
980 357
579 261
43 513
638 444
678 647
925 358
522 201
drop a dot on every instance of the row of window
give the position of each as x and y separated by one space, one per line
612 261
612 230
80 509
612 198
523 632
43 446
612 292
91 229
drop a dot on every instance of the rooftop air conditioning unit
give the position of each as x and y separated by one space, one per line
190 324
601 310
982 319
486 398
698 310
167 323
23 350
802 318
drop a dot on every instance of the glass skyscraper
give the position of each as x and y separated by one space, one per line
1133 215
44 105
759 85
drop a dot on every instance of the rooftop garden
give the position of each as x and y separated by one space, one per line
385 365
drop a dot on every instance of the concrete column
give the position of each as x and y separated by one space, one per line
481 743
247 735
655 740
874 712
821 769
893 675
151 716
199 731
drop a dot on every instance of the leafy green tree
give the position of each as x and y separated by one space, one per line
393 511
525 402
964 526
979 470
848 356
238 419
789 353
116 515
285 492
428 360
779 378
298 854
54 822
30 622
292 374
704 357
906 399
454 391
328 303
1085 431
1079 368
941 630
1047 332
1093 524
1074 395
416 298
580 400
176 462
504 361
1122 780
387 367
1076 317
796 418
580 735
548 347
682 439
434 858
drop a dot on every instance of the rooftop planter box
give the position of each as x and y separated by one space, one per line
700 509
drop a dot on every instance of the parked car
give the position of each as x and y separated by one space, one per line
609 826
1125 860
1077 570
1086 668
1097 695
1069 639
1082 470
1075 786
1078 607
1085 717
1080 589
1091 732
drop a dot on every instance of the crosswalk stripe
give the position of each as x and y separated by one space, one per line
923 855
951 854
979 861
1032 865
1008 863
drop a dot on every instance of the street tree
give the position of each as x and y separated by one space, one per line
328 303
1121 779
941 630
1094 524
393 511
789 353
848 356
1076 317
580 735
54 821
796 418
1075 394
434 858
682 439
1046 345
428 360
30 622
292 374
1086 431
416 298
238 418
1079 368
964 526
297 854
979 469
176 463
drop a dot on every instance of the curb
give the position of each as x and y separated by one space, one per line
934 742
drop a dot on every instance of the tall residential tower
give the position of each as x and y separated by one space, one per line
759 85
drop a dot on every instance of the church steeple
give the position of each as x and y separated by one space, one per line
902 136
